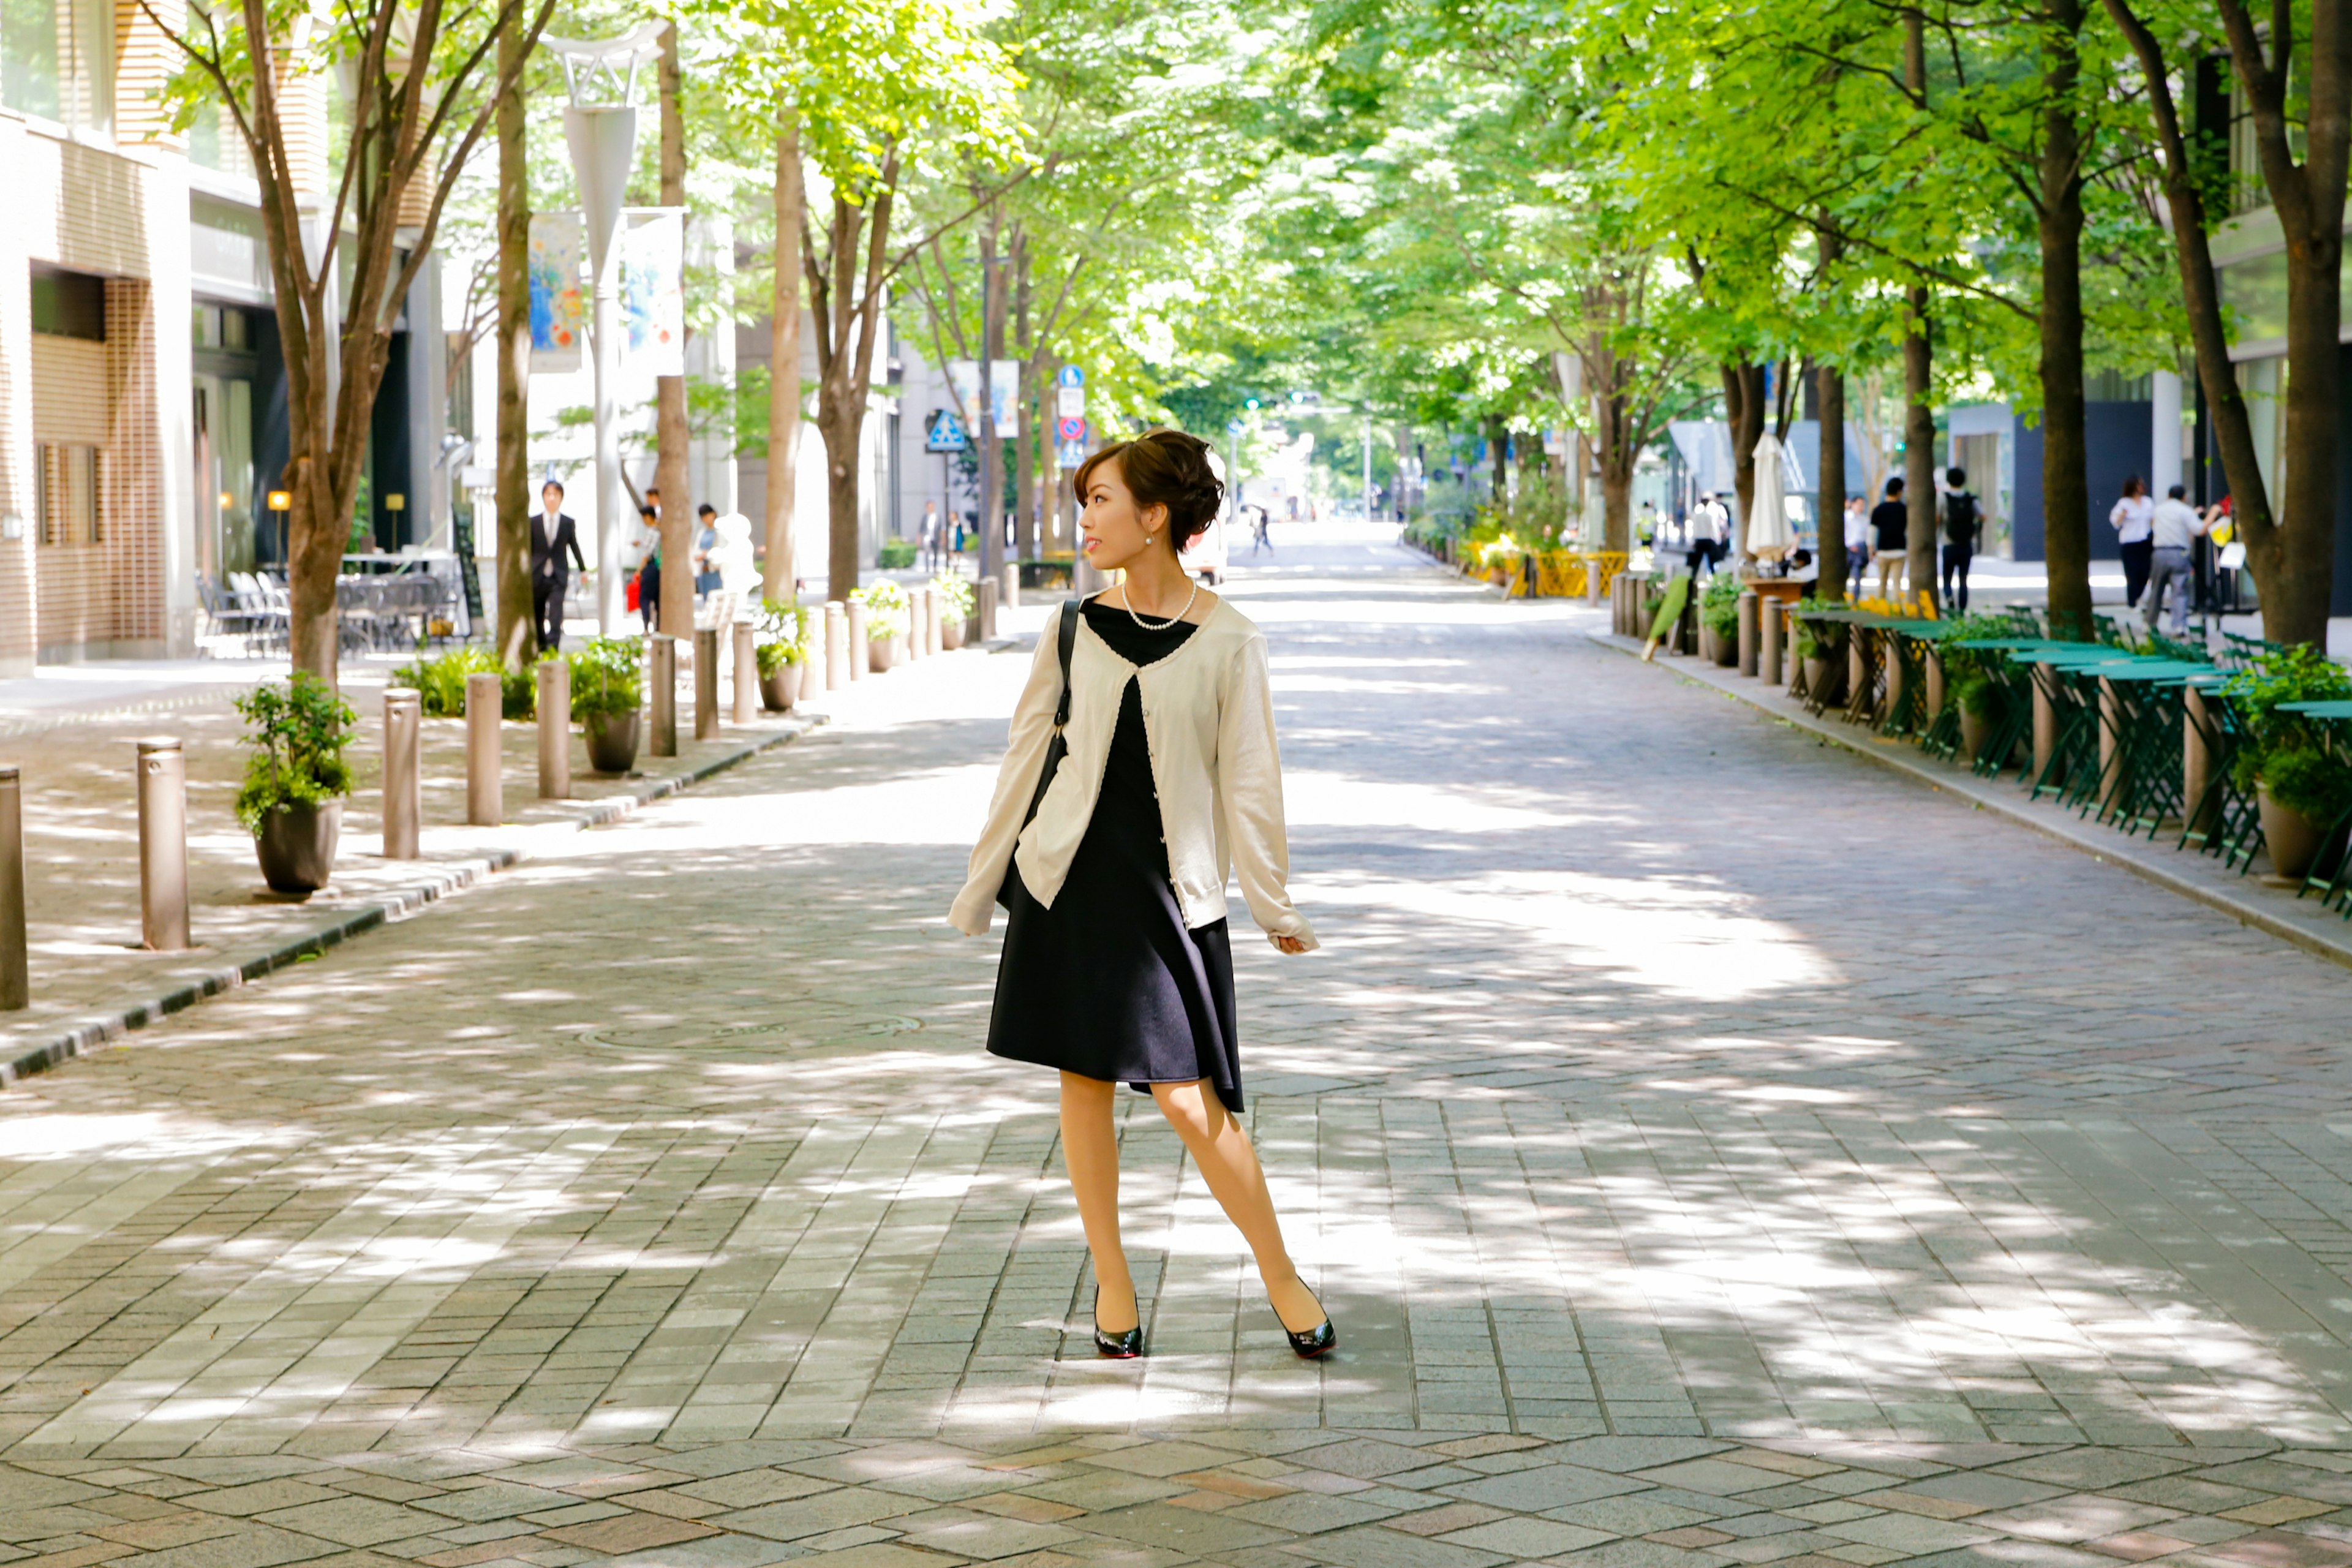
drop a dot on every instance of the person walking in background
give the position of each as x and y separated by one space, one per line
2132 520
1890 536
1963 522
649 575
706 539
553 536
1117 964
2174 528
1857 543
1710 526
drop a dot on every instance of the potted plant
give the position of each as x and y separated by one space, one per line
1815 655
296 779
959 608
782 651
887 619
607 689
1718 619
2300 790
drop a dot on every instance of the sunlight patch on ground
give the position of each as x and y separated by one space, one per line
1675 938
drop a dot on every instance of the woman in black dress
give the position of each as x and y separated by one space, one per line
1116 964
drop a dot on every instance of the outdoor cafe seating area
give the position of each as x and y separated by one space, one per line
388 604
2137 730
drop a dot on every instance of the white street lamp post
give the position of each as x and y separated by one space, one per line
600 126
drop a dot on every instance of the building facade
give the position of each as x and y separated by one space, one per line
142 400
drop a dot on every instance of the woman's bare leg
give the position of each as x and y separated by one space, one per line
1090 1152
1221 1147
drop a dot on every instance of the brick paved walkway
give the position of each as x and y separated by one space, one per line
1714 1150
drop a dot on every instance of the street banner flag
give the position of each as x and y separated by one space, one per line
559 314
1003 393
653 292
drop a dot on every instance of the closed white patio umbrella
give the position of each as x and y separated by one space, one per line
1769 536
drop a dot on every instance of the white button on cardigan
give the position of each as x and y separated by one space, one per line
1208 718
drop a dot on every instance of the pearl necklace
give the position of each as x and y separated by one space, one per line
1163 625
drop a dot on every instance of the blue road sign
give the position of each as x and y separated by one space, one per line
1072 376
943 432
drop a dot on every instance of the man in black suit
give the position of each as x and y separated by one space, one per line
552 536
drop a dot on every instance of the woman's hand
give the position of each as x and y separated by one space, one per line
1290 945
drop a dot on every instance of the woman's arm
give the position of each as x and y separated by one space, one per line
1249 786
1016 781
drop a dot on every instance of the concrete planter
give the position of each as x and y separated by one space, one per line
881 653
1975 730
297 847
612 742
2293 837
780 689
950 633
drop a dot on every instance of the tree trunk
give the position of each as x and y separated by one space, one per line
1025 450
2065 478
784 376
840 419
990 508
1918 453
1743 410
670 431
1830 482
2294 561
517 636
2225 402
1616 498
1918 378
1498 442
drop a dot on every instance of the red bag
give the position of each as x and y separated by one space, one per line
631 596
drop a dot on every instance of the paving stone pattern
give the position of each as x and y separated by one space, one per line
1713 1149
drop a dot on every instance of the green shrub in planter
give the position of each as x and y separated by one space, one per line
886 609
440 683
2283 752
783 636
607 676
298 731
896 554
955 595
1718 606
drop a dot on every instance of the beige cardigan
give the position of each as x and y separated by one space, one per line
1208 718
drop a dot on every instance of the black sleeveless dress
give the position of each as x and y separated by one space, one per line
1110 984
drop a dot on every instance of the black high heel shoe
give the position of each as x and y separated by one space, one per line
1315 1340
1129 1345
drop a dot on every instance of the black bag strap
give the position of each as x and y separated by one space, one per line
1068 644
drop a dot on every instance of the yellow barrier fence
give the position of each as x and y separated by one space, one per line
1560 573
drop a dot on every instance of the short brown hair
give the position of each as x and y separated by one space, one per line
1165 467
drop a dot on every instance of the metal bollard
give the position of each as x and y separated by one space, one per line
554 729
987 609
939 622
1749 626
1011 584
747 674
163 846
2110 752
836 645
16 982
2045 722
403 781
1769 631
1935 697
2196 764
861 661
484 789
664 678
1592 570
706 682
918 633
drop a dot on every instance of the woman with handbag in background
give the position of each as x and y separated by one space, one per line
1142 762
